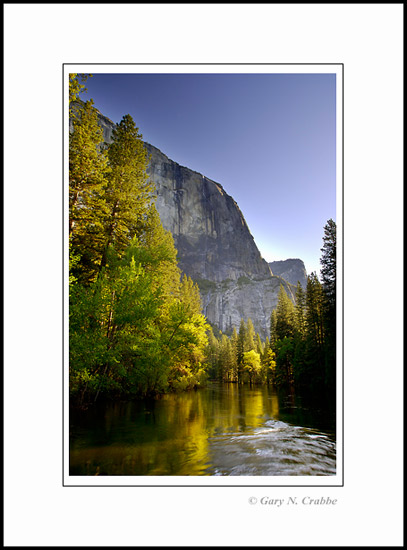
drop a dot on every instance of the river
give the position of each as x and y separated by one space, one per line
220 430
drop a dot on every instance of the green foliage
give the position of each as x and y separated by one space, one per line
76 86
240 349
259 345
238 358
300 312
184 343
252 365
205 285
128 194
87 204
114 331
304 335
227 360
314 315
273 328
328 261
269 365
212 354
250 336
328 276
284 374
190 296
136 326
285 316
243 281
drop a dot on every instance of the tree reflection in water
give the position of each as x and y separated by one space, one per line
224 429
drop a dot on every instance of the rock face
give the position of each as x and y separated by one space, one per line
209 230
292 270
226 303
215 246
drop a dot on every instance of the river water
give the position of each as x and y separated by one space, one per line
220 430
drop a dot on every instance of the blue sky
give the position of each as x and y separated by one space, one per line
268 139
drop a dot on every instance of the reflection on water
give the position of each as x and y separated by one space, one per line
220 430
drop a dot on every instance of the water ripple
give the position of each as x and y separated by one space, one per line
275 449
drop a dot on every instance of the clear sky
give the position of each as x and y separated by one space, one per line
268 139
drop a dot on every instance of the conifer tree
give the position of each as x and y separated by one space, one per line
259 345
266 347
240 349
250 335
300 311
212 354
328 261
315 337
190 296
328 278
129 192
315 307
285 322
234 343
87 180
269 365
135 326
226 359
273 328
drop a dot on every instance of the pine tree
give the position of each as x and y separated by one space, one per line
269 365
135 327
315 337
259 345
284 371
234 344
328 261
240 349
273 328
282 331
226 359
300 311
212 355
328 277
250 335
266 347
129 192
87 180
315 306
285 323
190 296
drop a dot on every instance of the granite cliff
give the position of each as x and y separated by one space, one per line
215 246
292 270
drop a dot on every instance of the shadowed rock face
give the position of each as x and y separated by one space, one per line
209 230
292 270
215 246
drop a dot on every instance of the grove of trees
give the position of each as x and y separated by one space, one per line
135 323
301 350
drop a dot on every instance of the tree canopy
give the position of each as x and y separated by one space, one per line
136 326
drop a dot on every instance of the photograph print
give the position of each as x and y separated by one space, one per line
202 238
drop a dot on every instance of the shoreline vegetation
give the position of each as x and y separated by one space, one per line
136 327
